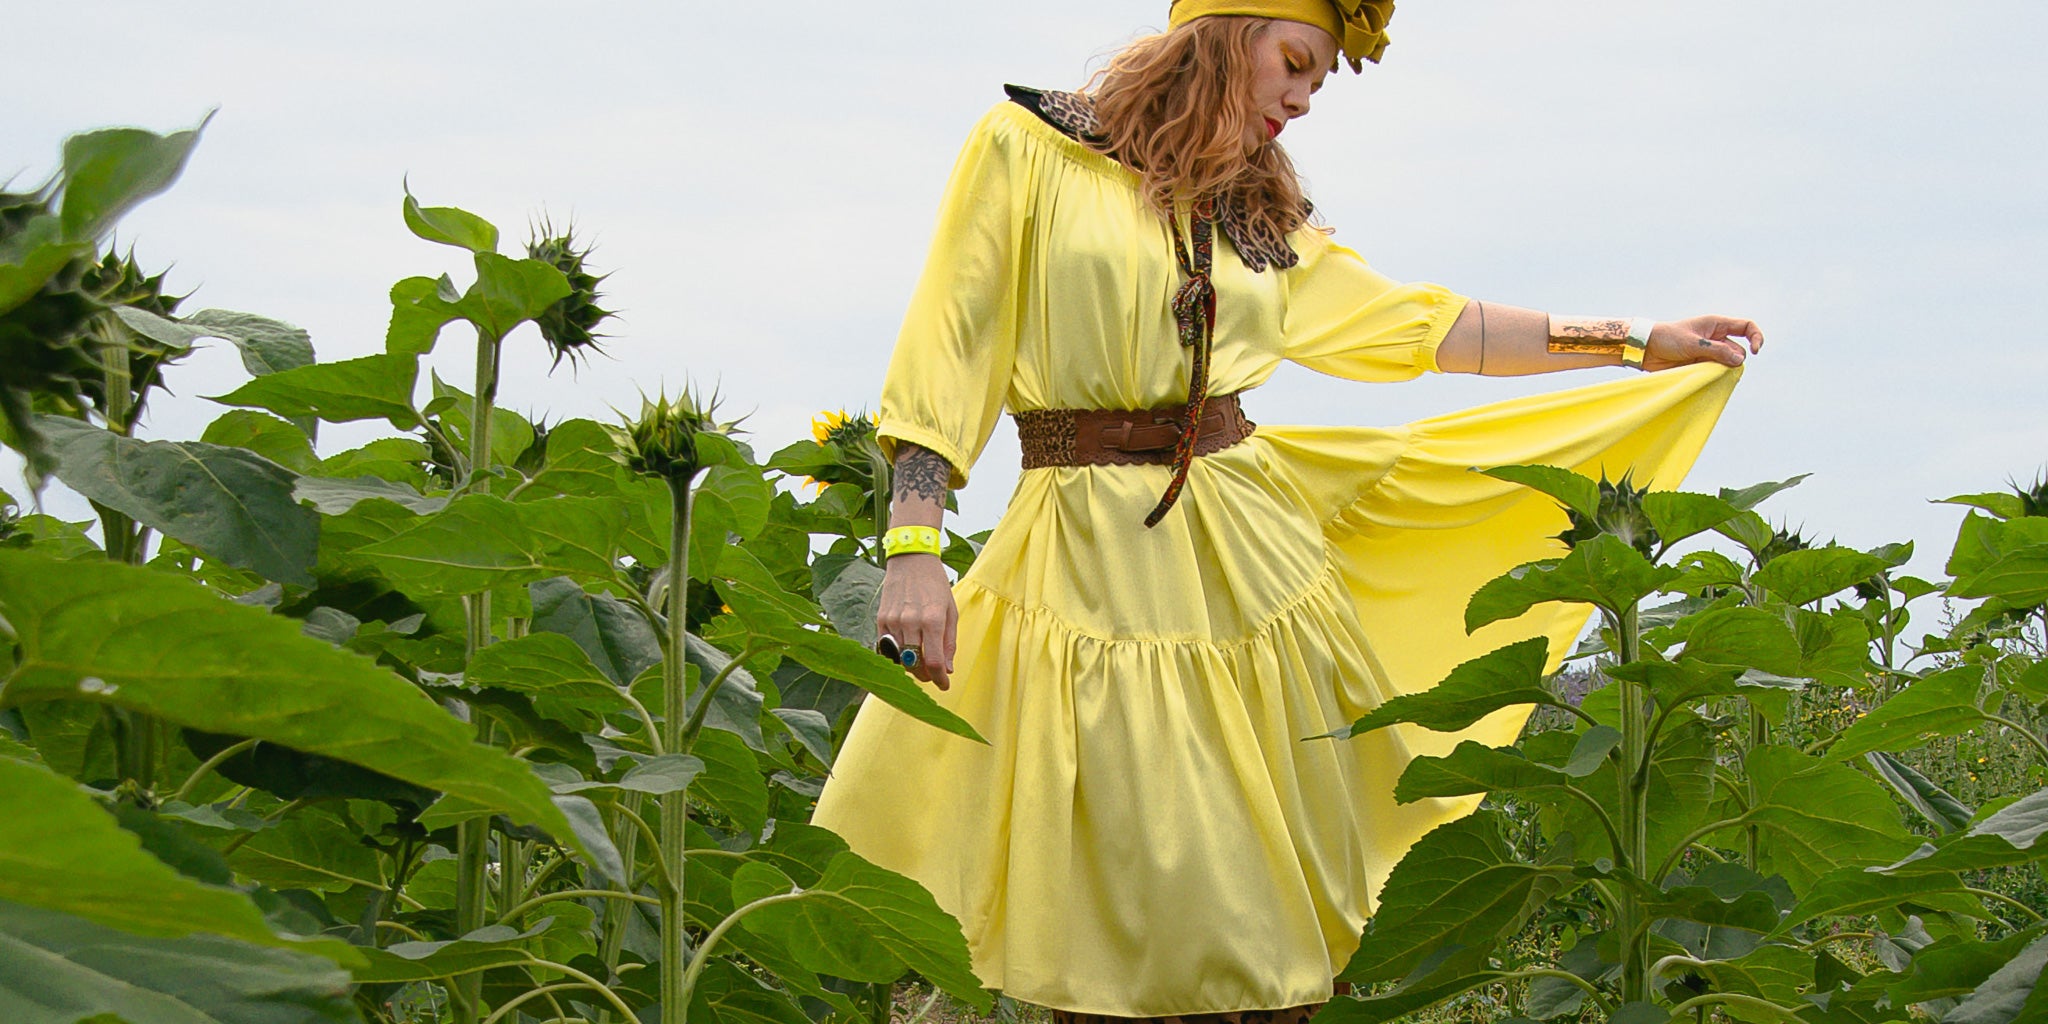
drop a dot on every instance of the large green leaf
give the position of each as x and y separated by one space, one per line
729 994
1955 966
580 464
1474 768
1503 678
481 542
1774 973
227 502
2008 836
101 632
397 459
1452 971
1604 571
1578 493
450 226
107 172
1852 891
1802 577
862 923
1753 495
731 501
309 850
2003 504
66 853
1458 885
267 346
32 256
509 292
336 497
2006 559
491 946
849 588
1943 704
60 969
1937 805
511 433
618 640
420 307
1744 637
1818 816
266 435
2012 993
564 683
839 658
708 900
731 780
1678 514
367 388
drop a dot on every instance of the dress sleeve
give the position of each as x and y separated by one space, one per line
1348 320
951 368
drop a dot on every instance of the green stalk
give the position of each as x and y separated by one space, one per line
138 738
879 468
1751 743
675 814
1634 823
628 839
473 837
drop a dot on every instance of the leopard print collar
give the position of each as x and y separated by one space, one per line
1074 116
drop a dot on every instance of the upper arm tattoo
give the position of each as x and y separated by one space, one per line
921 473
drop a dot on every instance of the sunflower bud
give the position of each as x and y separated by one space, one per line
665 440
2033 500
1784 541
1620 513
570 324
119 281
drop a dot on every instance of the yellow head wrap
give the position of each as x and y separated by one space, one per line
1359 26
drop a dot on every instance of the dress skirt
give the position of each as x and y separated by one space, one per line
1151 829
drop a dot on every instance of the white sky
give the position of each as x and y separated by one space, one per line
1864 179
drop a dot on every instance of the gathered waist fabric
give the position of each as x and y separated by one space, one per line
1125 437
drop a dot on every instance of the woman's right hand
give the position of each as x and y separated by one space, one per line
917 609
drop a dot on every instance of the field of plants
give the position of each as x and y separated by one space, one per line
497 720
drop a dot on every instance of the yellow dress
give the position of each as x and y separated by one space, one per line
1147 833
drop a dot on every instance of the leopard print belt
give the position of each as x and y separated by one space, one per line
1125 437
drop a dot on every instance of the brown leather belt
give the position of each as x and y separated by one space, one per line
1125 437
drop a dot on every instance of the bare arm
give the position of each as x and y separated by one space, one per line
917 599
1509 341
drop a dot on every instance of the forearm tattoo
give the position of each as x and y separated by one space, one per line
1603 335
921 474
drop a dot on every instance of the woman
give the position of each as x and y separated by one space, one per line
1164 615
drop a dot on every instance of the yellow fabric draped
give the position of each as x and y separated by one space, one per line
1146 833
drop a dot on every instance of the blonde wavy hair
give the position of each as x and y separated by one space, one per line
1175 108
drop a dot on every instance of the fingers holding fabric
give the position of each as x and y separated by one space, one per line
1702 339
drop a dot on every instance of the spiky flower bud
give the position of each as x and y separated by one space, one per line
570 324
118 280
1620 513
1784 541
2033 500
665 440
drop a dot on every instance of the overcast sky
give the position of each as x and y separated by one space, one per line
1866 180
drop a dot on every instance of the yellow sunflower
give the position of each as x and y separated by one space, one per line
850 431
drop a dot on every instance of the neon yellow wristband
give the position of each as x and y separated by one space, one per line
909 540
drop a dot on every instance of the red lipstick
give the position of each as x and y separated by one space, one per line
1273 128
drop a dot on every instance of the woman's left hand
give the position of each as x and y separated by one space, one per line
1701 339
